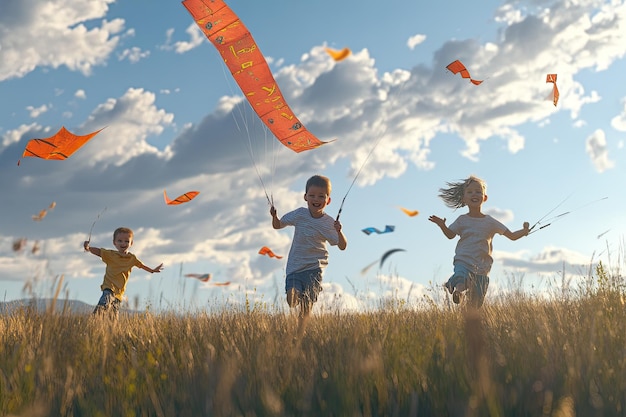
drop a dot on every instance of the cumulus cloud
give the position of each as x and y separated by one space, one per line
596 148
56 37
619 121
399 114
196 37
415 40
134 54
35 112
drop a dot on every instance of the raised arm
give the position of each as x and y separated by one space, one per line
442 225
518 233
95 251
275 220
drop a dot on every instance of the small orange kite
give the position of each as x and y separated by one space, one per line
457 67
267 251
188 196
43 212
551 78
411 213
338 55
59 146
207 278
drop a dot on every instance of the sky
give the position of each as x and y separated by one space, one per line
399 125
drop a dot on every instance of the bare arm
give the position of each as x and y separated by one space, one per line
95 251
518 233
442 225
275 220
343 242
152 271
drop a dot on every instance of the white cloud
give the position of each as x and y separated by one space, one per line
80 94
56 37
35 112
415 40
619 121
134 54
196 37
595 145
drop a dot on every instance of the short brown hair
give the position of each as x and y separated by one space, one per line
318 181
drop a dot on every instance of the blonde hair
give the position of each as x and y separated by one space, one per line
453 195
122 230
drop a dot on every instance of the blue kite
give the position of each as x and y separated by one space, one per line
368 231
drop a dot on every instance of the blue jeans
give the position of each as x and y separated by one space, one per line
476 285
308 284
108 303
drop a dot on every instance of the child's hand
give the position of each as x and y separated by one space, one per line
86 245
527 228
273 211
338 225
438 220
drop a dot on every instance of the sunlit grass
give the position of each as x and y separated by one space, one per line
520 356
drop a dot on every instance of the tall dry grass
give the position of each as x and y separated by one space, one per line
519 356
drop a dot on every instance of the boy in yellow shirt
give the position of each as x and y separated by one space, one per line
119 264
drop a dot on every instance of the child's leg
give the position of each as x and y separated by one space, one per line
293 297
105 303
477 289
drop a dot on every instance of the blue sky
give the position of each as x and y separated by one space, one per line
174 120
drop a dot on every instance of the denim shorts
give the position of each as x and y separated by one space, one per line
308 284
476 285
108 303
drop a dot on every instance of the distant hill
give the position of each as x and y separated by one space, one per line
43 304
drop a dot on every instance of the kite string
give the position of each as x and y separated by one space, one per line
94 223
380 137
246 128
560 216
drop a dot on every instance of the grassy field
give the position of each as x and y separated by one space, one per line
563 355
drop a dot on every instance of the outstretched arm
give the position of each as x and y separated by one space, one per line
343 242
442 225
152 271
518 233
275 220
95 251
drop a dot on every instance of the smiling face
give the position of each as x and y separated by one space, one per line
317 198
122 242
474 196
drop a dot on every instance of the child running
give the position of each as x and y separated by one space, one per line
308 255
118 266
472 259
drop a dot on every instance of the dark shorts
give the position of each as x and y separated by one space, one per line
308 284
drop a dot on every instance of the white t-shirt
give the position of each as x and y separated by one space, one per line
474 247
308 248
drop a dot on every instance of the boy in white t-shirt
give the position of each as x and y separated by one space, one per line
308 255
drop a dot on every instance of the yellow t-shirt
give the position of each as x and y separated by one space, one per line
117 270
